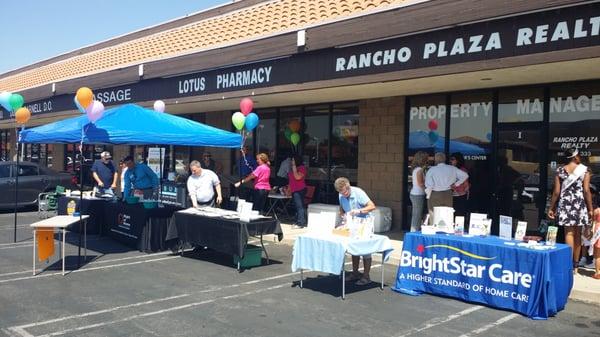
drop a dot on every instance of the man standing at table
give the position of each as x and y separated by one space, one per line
140 178
355 202
105 174
439 182
201 186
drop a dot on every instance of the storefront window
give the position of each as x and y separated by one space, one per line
574 123
266 131
344 141
316 144
290 122
521 105
4 145
427 118
471 125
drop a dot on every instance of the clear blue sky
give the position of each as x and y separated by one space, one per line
35 30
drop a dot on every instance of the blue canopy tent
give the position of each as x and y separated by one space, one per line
129 124
419 140
132 124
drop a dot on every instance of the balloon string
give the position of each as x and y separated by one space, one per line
242 151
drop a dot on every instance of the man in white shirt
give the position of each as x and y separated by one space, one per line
439 182
202 184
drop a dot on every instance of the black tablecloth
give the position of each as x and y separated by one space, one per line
92 207
138 227
223 235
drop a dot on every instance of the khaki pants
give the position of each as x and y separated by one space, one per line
438 198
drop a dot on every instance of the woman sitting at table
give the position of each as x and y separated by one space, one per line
261 186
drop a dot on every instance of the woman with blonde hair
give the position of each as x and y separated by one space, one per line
262 173
417 193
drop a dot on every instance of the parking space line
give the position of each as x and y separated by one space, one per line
437 321
158 312
22 332
491 325
88 269
94 262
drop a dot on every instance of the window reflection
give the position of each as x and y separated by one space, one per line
316 145
344 142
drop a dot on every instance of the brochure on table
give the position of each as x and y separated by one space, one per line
480 224
551 235
443 219
521 230
506 227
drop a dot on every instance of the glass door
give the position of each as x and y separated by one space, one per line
519 190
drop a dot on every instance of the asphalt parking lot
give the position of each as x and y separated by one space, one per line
120 292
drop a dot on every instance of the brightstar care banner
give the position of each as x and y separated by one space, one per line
487 270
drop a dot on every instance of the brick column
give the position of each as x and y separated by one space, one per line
381 153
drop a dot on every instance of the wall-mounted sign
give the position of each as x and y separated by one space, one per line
545 31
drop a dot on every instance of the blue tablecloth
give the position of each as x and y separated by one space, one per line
326 253
486 270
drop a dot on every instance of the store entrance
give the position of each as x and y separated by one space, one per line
520 192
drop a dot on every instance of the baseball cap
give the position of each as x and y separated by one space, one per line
105 154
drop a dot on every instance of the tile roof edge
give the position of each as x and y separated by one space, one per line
403 4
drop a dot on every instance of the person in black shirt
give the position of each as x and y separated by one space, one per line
104 173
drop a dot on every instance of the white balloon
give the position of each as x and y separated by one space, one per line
159 106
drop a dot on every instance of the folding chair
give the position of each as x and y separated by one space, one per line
48 202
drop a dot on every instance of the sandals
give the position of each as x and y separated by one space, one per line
596 276
352 277
363 281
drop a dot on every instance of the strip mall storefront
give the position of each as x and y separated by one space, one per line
521 87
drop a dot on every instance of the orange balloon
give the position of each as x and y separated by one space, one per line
22 115
294 125
84 96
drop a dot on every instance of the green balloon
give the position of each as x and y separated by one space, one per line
295 138
16 101
238 119
287 133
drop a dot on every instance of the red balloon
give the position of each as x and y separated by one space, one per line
433 124
246 106
294 125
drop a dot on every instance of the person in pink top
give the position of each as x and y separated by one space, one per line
261 174
296 176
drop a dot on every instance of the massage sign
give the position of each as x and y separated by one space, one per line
458 271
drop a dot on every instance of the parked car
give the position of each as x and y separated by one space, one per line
33 180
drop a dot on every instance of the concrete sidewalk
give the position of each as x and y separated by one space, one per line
585 288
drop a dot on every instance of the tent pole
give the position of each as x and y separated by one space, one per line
16 184
81 162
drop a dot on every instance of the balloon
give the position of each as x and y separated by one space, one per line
287 133
5 100
251 121
238 119
489 136
433 136
433 124
16 101
84 97
295 138
294 125
79 107
22 115
246 106
95 111
159 106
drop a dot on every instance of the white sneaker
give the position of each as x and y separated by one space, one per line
590 265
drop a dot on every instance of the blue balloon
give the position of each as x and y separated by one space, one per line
252 121
79 107
5 100
433 136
